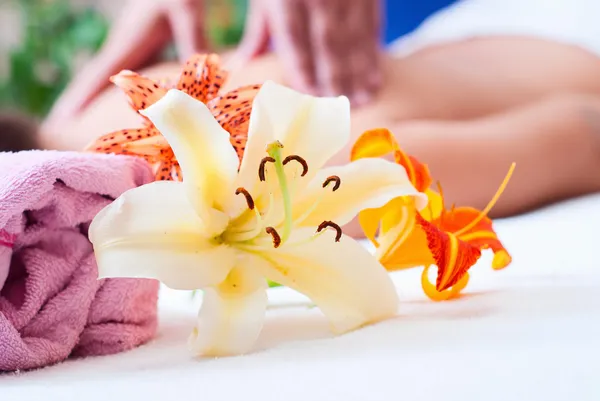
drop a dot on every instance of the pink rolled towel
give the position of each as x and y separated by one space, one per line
51 303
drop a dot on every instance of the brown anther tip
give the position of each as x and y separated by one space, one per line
261 168
276 238
338 229
299 160
333 178
247 195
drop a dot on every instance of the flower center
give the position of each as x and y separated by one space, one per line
259 225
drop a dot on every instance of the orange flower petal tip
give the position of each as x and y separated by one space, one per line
375 142
501 260
432 293
122 74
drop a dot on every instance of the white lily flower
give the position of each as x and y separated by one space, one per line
226 231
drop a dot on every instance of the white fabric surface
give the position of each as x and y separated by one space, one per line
530 332
565 21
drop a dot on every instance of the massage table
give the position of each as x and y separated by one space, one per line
529 332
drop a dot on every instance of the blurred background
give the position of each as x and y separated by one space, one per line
43 42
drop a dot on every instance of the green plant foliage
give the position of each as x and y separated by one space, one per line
227 32
54 34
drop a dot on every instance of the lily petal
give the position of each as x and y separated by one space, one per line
364 184
153 232
232 315
310 127
202 148
349 286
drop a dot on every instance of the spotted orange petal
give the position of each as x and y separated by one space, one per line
150 145
167 170
141 91
239 144
453 257
202 77
232 109
176 172
154 149
116 142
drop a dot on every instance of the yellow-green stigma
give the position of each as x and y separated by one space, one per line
274 151
280 237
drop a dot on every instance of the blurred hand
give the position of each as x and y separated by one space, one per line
328 47
139 34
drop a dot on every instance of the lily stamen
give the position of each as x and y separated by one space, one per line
490 205
247 195
246 235
333 178
299 160
338 229
261 168
276 238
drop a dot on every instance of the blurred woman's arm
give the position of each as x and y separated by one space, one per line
136 38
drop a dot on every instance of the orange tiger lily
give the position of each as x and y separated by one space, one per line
451 239
202 78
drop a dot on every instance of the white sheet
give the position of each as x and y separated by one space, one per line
530 332
564 21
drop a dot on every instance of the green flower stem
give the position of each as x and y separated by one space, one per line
274 151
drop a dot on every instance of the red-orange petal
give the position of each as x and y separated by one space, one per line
481 235
435 295
142 91
202 77
376 142
380 142
453 257
418 173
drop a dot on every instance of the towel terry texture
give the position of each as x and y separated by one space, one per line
52 305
